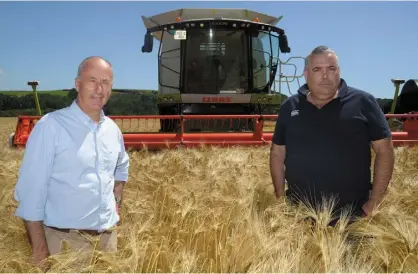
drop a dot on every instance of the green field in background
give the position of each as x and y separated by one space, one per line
65 92
23 93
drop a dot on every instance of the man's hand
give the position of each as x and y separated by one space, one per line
368 207
39 259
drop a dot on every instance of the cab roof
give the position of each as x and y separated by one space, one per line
196 14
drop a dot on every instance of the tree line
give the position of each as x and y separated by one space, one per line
127 103
132 103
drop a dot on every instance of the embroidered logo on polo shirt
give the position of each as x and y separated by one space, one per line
294 112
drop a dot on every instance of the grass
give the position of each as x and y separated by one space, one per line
213 210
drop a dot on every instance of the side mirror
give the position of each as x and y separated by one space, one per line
283 44
148 43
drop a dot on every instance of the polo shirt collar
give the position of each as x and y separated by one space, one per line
83 117
342 89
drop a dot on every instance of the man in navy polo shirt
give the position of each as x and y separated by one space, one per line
322 141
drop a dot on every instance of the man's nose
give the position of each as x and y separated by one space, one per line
99 87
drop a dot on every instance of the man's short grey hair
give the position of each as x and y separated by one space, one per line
84 62
319 50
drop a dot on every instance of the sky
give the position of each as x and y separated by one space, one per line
46 41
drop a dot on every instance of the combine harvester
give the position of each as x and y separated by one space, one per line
217 73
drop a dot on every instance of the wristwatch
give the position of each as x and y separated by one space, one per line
118 201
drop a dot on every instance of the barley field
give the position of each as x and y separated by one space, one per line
213 210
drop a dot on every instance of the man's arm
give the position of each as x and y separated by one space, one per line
278 152
381 140
118 192
277 156
121 172
31 187
36 236
383 168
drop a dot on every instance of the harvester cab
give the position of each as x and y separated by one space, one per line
216 62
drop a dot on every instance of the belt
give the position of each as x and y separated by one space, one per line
83 231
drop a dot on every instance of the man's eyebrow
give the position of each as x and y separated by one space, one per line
94 78
318 67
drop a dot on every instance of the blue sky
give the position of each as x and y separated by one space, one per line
45 41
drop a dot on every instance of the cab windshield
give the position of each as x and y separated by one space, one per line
213 61
216 61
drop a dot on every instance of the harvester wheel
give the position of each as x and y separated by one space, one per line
11 140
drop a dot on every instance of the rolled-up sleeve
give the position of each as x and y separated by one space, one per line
31 188
378 125
122 167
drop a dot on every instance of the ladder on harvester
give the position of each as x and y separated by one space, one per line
283 78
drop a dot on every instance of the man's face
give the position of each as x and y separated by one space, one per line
94 85
323 75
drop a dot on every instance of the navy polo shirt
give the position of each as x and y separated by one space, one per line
328 150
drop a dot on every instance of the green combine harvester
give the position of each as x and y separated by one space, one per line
217 62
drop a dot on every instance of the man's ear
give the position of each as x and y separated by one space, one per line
77 84
305 73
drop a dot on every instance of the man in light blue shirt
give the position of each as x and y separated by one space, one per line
74 169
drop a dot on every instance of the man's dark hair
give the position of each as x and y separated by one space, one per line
316 51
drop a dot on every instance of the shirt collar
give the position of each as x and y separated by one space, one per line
342 89
84 118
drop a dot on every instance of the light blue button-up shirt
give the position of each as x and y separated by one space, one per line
69 170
